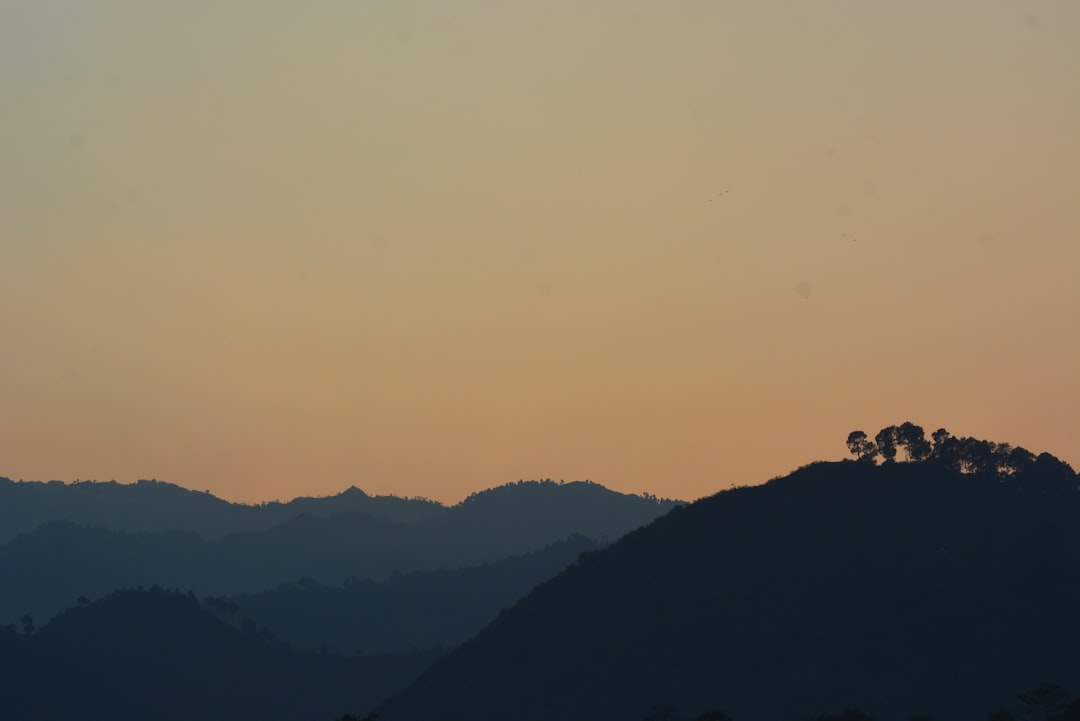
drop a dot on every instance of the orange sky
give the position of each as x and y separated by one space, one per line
277 248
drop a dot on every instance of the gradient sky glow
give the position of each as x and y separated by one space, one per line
275 248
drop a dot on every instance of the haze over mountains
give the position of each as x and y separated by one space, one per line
941 581
367 590
151 505
420 610
349 536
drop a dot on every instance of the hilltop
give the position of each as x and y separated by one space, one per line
943 585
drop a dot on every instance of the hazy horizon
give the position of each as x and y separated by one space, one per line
403 493
278 249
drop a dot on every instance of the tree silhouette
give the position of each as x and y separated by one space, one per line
988 459
913 439
885 440
1052 469
939 437
1021 460
861 446
977 456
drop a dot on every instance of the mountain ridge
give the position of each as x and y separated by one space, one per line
152 505
421 609
511 520
901 588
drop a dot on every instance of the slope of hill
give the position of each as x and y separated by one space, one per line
414 610
159 656
46 570
902 588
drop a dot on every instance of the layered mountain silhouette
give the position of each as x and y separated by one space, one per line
151 506
160 656
432 609
940 587
47 569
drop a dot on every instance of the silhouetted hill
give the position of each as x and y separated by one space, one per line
46 570
413 610
154 506
530 514
901 588
159 656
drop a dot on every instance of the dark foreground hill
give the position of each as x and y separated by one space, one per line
160 656
45 571
905 588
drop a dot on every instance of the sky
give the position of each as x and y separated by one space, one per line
271 249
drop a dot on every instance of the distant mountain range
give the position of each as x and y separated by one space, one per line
420 610
901 589
327 540
939 587
151 506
